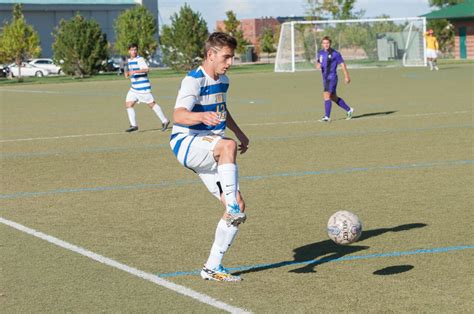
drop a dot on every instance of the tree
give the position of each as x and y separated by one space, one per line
443 30
444 3
267 42
136 25
183 41
80 46
18 40
337 9
232 27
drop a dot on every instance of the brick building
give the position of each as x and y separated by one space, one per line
253 28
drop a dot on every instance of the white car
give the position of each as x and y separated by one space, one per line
46 64
27 70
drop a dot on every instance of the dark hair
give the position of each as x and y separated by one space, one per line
219 40
132 45
327 38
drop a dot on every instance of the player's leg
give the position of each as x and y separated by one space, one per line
159 113
224 235
430 63
341 103
435 63
225 153
130 101
327 101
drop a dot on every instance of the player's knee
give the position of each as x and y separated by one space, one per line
229 145
129 104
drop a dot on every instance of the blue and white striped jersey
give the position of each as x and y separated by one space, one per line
140 81
200 93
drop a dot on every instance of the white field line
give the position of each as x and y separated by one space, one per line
136 272
243 124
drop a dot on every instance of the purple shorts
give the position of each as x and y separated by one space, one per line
330 85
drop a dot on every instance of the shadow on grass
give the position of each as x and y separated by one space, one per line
392 270
371 114
322 252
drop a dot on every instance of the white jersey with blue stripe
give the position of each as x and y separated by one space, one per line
200 93
140 81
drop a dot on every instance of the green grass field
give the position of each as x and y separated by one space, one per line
404 164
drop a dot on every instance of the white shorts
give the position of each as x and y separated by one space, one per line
196 152
146 98
431 53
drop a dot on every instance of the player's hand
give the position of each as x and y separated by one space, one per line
347 80
210 118
244 143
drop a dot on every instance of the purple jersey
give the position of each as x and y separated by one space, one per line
329 60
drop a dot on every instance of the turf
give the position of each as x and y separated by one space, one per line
404 164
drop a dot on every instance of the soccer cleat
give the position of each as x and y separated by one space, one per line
235 219
349 114
233 216
218 274
436 68
325 119
132 129
164 126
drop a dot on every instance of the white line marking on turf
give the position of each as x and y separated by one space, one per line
244 124
136 272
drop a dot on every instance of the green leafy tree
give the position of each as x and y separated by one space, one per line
136 25
444 3
183 41
18 40
443 30
267 42
232 27
80 46
337 9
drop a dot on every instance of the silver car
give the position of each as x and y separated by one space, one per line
27 70
46 64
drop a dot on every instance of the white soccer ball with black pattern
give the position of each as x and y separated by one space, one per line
344 227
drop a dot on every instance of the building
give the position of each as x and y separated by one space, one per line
45 15
461 16
253 28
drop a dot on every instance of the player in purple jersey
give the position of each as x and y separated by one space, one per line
327 61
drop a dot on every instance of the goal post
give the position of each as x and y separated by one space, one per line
374 42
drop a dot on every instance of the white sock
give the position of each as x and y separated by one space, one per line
430 63
229 182
224 237
131 116
159 113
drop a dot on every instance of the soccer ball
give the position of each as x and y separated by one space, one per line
344 227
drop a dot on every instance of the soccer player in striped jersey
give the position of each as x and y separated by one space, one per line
197 140
327 61
140 91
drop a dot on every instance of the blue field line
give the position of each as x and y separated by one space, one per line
10 155
327 260
242 178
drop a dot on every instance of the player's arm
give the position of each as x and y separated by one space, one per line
347 78
243 139
317 64
187 98
184 116
143 68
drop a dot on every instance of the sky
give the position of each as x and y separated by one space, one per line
214 10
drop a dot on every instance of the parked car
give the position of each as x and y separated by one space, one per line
46 64
27 70
4 70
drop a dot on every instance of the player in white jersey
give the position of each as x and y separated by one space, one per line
198 142
140 91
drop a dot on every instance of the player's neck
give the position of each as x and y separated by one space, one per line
210 71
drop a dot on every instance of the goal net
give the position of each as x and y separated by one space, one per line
362 43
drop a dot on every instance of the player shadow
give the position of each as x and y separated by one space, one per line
311 255
382 113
